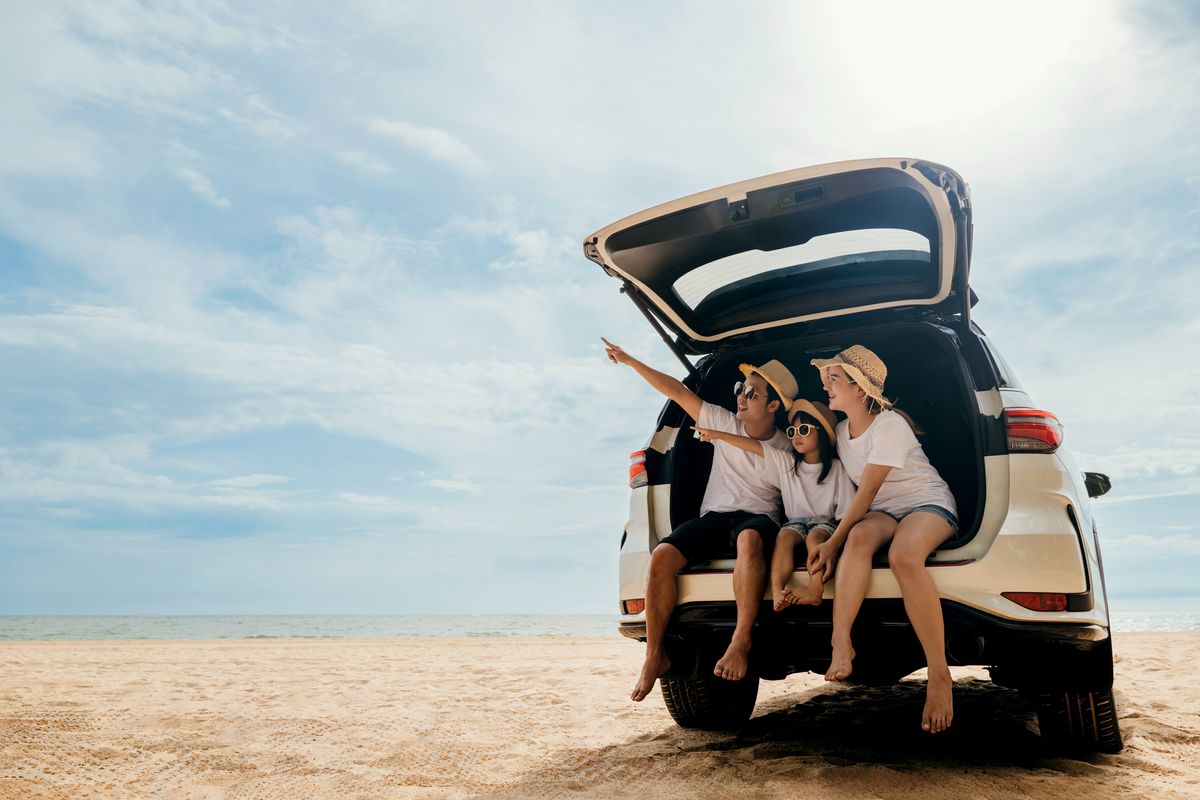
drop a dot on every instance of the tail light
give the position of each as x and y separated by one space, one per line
637 469
1031 431
1038 601
630 607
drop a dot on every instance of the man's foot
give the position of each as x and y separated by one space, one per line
939 701
732 666
783 598
652 670
842 663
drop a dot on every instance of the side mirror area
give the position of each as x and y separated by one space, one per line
1097 483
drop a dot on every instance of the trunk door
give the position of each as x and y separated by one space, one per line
826 241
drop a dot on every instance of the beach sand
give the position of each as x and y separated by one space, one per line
539 717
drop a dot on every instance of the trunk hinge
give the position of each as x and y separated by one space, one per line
629 289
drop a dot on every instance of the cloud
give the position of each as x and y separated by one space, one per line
249 481
432 142
364 162
199 183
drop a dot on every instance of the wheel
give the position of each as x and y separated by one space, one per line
1079 721
709 702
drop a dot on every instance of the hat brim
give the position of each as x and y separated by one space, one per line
785 401
856 375
806 406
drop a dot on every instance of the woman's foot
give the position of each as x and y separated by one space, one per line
653 668
841 665
939 701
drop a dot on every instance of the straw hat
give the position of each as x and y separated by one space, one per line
818 411
864 368
780 378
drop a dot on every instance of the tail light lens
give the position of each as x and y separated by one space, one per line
1032 431
637 469
1038 601
629 607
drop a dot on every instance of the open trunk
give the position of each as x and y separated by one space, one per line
927 377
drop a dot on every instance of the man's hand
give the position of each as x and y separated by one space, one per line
822 559
707 434
615 354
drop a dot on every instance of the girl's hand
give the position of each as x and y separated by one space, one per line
615 354
706 434
822 559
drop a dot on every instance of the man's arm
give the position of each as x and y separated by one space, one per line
671 387
744 442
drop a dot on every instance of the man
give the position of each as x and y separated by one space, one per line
739 509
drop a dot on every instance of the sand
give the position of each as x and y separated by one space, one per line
539 717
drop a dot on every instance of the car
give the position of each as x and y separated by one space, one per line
800 265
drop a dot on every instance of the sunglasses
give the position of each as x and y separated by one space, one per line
803 429
741 389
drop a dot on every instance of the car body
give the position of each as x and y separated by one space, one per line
802 264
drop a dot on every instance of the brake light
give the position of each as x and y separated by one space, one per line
1038 601
637 469
633 606
1032 431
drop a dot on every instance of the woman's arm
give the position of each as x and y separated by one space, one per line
744 442
671 387
824 555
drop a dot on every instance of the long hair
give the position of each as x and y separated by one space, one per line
874 407
824 447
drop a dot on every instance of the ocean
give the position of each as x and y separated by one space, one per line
332 626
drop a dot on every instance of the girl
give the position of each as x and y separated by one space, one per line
814 486
900 499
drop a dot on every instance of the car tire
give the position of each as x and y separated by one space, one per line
709 702
1079 721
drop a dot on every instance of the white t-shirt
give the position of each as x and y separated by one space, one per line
803 496
737 482
891 442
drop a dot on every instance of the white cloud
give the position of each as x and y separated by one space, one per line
437 144
365 162
249 481
199 183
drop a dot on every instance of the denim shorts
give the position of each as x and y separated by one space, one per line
932 508
806 525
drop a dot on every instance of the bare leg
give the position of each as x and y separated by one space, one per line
661 591
919 535
812 594
850 586
749 578
783 566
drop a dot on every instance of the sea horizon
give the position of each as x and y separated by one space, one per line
1170 615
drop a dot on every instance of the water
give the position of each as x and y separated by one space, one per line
315 626
328 626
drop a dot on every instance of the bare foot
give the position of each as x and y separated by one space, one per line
939 701
812 594
841 665
783 598
732 666
652 670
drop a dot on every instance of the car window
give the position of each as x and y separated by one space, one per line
827 258
1008 378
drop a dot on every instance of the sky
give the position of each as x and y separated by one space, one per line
294 316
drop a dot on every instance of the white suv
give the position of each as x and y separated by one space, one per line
800 265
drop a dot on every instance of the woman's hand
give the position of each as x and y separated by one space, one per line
822 559
615 354
707 434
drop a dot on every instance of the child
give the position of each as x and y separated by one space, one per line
900 499
815 490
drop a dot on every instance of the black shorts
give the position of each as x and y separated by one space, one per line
714 535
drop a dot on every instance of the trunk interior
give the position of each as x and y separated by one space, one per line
927 378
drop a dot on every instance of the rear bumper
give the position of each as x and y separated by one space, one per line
1045 655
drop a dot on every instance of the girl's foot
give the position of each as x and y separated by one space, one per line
841 665
783 598
939 701
812 594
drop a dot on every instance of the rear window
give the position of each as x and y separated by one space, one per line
887 253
